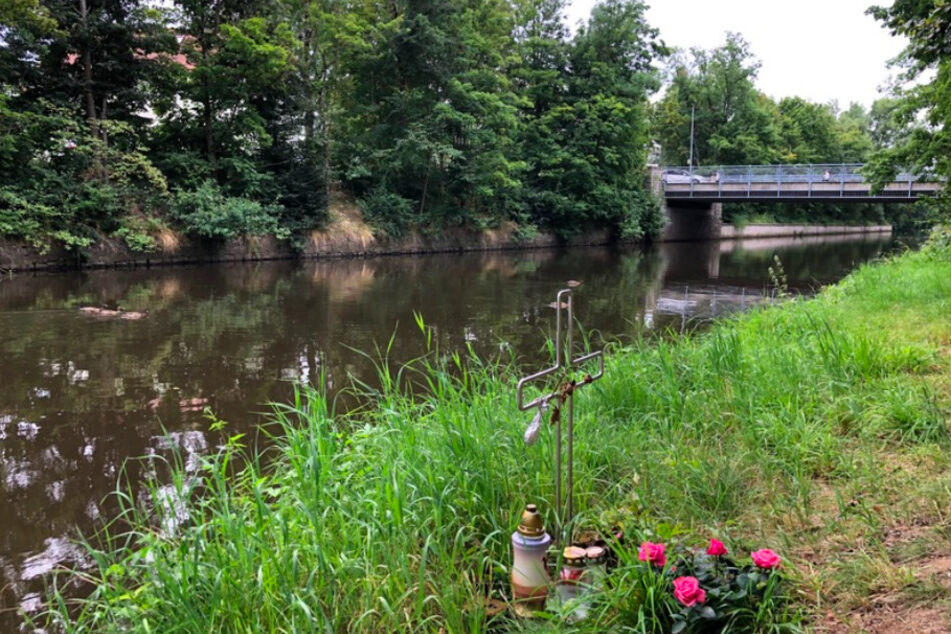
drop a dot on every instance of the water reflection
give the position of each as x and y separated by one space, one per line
81 393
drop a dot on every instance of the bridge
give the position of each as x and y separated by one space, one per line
693 195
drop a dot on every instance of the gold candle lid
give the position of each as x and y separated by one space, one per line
531 524
573 556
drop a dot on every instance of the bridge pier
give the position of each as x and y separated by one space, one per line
686 219
692 221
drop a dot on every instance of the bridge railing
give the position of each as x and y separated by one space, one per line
800 173
821 181
797 173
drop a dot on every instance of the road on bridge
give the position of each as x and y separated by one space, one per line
785 183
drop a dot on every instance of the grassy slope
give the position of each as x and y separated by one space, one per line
817 428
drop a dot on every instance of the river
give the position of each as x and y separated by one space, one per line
81 393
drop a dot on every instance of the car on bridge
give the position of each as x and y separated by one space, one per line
681 176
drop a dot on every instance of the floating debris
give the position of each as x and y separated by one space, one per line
107 313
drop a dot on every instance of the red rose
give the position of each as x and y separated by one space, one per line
687 590
652 554
765 558
716 548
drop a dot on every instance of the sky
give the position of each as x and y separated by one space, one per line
822 50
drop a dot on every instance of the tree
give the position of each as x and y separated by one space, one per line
852 135
226 92
224 117
105 51
808 131
326 36
885 124
431 115
586 132
73 97
734 123
925 107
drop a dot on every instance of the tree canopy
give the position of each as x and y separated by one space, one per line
226 117
918 122
736 124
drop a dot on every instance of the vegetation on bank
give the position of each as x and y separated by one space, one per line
227 118
818 429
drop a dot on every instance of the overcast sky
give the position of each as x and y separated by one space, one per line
822 50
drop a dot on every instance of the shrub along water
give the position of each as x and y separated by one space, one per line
780 428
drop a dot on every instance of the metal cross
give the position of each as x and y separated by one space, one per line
563 395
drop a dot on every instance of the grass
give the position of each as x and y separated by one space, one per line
817 428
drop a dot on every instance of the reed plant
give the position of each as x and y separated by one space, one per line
397 517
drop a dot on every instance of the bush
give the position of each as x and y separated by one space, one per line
38 224
138 231
386 212
939 243
525 233
644 218
696 590
206 212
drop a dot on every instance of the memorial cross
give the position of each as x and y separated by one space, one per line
563 397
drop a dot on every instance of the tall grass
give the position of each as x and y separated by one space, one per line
397 518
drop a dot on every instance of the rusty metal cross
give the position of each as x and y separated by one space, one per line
563 395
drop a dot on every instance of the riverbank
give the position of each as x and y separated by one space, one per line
817 428
346 235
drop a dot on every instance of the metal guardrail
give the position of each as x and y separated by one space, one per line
823 180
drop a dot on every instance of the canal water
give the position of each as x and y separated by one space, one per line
82 393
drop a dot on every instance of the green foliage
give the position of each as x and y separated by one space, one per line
135 239
26 12
208 213
138 232
886 127
525 232
734 124
853 134
923 108
63 183
939 242
585 132
39 225
808 132
387 212
431 119
739 597
645 216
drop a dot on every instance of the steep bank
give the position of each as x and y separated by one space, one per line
345 235
817 428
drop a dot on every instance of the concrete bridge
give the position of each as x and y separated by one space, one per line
694 196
